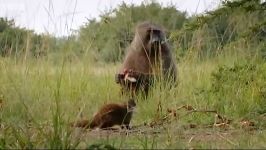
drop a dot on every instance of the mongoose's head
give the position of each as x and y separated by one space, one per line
131 105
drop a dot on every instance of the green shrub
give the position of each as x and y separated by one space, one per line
239 90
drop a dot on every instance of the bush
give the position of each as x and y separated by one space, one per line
115 30
239 90
206 35
16 41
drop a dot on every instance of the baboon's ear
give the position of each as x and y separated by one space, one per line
166 32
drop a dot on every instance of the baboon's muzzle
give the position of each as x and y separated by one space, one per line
155 45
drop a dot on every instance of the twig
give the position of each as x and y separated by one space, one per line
229 141
190 140
203 111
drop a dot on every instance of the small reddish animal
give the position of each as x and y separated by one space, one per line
110 115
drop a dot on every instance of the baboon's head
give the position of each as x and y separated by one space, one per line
150 37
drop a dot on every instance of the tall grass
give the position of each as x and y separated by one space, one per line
40 99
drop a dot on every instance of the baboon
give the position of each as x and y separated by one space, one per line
110 115
147 56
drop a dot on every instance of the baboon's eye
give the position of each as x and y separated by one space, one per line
148 35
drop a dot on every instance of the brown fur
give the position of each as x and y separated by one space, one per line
146 57
110 115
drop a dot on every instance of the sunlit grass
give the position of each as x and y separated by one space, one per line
40 99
